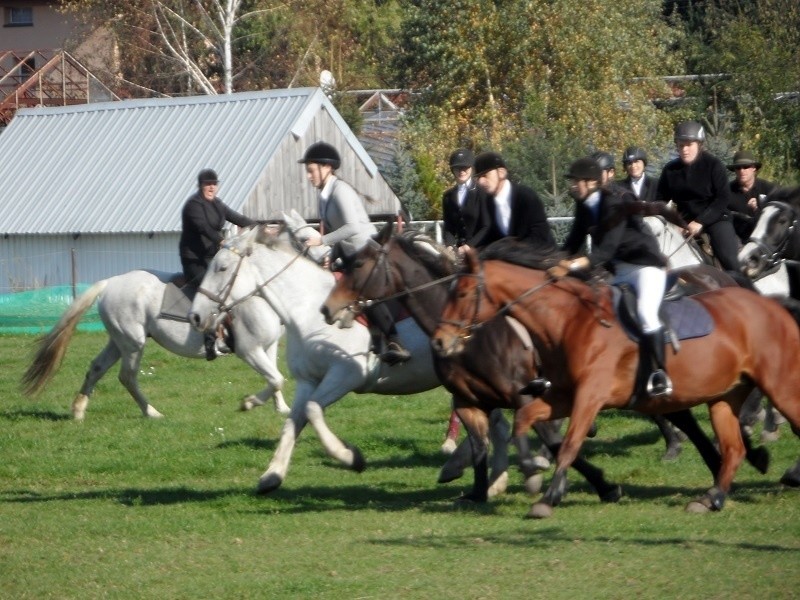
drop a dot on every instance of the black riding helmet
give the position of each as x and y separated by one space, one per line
462 158
321 153
207 176
633 153
690 131
604 160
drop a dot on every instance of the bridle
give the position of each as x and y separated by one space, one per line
222 297
772 254
361 302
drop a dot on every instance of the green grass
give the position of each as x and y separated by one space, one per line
123 507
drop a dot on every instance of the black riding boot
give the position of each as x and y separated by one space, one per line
659 383
536 387
210 342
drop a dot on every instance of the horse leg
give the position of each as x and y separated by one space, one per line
550 435
334 447
265 362
499 431
671 438
725 422
453 428
128 377
99 367
772 419
273 477
476 422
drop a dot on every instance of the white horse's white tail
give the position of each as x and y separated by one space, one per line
52 347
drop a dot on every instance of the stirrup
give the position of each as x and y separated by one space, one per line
536 387
659 384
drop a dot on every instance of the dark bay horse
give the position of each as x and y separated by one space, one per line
497 362
592 362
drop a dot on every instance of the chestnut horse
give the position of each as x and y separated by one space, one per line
497 362
592 363
488 376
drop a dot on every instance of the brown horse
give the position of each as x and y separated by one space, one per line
498 361
592 362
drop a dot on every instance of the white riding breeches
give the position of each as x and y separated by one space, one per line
649 284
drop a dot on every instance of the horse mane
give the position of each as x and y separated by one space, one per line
524 253
644 209
411 243
788 195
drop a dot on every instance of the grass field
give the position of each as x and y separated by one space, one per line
122 507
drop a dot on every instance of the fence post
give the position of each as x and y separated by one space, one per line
74 269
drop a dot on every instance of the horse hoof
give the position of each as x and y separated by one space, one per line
359 464
533 484
612 494
770 436
791 478
540 510
449 446
269 483
697 507
450 473
499 485
152 413
672 453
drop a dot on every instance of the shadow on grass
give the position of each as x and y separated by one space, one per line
550 536
38 415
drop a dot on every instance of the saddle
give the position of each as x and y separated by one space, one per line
682 316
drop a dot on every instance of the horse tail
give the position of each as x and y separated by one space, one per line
52 347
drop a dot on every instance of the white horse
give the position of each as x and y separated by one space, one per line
327 361
130 306
684 253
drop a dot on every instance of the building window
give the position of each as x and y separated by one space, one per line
19 17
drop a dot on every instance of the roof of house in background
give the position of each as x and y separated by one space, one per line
129 166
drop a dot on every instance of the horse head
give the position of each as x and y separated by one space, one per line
773 236
217 293
464 310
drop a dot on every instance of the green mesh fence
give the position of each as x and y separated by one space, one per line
36 311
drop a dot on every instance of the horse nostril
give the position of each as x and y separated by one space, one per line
194 318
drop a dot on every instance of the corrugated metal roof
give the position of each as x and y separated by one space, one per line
129 166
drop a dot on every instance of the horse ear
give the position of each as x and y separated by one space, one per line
385 233
472 261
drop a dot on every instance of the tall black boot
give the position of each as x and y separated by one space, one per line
659 383
210 342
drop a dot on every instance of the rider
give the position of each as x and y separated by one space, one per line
634 160
346 227
203 217
465 207
747 193
621 243
698 184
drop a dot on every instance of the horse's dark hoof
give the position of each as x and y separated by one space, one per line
612 494
592 430
359 464
759 458
713 501
472 498
269 483
672 453
450 472
540 510
792 477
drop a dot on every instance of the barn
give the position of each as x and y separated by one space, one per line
96 190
